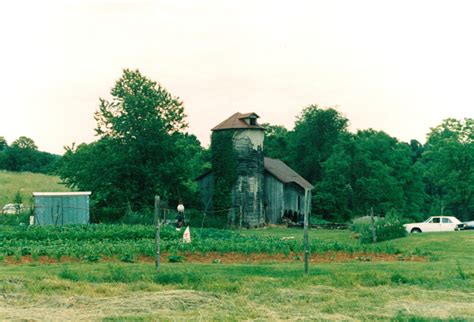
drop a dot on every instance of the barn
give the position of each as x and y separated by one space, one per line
266 190
61 208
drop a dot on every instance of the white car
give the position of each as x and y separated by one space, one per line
436 223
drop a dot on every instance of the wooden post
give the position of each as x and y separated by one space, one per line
372 223
240 217
306 239
157 232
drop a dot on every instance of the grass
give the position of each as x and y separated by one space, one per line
26 183
438 289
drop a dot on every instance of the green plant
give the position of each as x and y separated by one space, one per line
462 275
224 167
387 228
127 258
92 258
68 274
175 258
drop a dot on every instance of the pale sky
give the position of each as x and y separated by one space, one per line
397 66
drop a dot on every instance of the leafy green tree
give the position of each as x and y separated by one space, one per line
449 161
416 150
276 142
141 150
3 147
25 143
23 155
3 143
368 170
313 138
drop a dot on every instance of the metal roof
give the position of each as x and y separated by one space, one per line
236 121
285 174
58 194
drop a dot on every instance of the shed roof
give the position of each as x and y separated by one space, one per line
236 121
60 194
285 174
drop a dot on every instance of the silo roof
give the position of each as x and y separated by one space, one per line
236 121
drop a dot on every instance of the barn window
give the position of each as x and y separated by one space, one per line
253 121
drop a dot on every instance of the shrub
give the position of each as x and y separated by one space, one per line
127 258
389 227
68 274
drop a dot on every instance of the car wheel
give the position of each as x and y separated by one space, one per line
416 231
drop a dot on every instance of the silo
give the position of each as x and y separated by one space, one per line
247 191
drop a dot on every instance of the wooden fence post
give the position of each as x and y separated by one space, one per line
306 238
372 223
157 232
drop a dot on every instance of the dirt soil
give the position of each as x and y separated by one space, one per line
235 258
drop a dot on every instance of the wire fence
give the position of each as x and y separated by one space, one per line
60 214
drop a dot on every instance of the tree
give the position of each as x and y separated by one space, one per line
23 155
417 150
313 138
140 152
276 141
368 170
25 143
3 143
449 161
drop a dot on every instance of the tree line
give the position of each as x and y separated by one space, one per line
23 155
143 148
354 173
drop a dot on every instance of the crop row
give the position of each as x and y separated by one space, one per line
131 241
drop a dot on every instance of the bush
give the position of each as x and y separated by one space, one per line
389 227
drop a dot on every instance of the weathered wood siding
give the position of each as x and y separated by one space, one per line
295 199
273 194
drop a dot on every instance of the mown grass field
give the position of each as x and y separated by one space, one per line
441 287
26 183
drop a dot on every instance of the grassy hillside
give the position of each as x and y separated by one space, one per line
26 183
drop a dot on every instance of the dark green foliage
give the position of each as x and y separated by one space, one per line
368 170
353 173
276 144
23 155
449 162
3 143
127 258
175 258
141 152
224 167
311 142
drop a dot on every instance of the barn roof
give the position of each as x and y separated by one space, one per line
279 170
236 121
285 174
